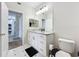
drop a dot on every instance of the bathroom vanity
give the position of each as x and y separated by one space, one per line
40 41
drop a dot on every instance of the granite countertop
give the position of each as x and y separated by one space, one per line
41 32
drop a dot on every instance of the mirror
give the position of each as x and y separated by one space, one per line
33 23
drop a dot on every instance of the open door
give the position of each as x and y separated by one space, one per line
3 29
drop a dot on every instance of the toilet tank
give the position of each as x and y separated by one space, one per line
66 45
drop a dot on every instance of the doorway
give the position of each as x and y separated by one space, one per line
14 29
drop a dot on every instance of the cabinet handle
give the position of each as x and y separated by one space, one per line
1 34
41 42
41 36
33 38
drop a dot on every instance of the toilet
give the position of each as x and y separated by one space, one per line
66 48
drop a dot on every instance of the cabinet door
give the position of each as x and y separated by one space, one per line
42 40
36 42
31 38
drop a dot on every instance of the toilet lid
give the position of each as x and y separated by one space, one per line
62 54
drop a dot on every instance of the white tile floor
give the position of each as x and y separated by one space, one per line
17 52
20 52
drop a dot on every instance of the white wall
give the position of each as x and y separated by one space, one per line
4 29
0 27
66 19
28 12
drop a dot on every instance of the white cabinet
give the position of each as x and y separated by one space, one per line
40 42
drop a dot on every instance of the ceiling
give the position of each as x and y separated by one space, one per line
32 4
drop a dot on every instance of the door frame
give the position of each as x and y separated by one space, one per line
21 27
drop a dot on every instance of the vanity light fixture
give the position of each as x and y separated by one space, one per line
44 9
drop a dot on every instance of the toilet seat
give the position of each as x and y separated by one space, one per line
62 54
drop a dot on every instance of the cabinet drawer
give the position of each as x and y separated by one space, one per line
42 43
42 46
42 51
42 36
